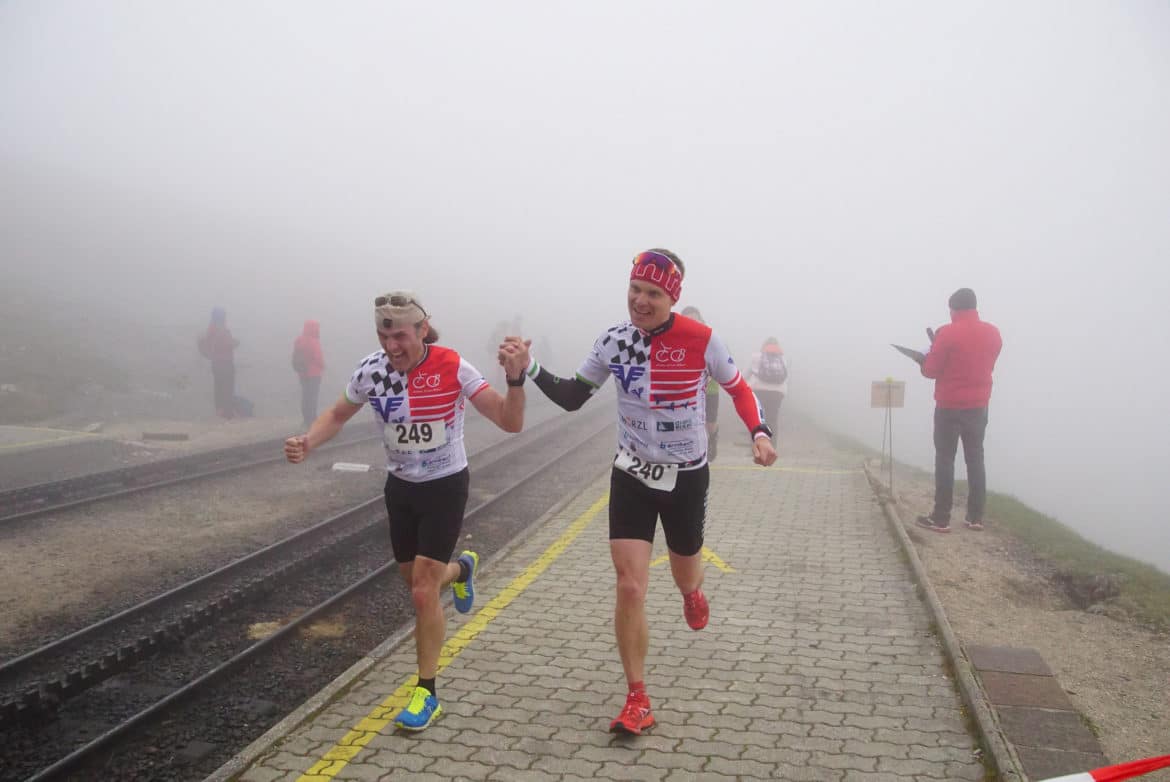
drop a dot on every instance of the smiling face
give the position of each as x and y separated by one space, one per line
649 305
403 345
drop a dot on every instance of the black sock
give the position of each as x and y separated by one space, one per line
428 685
464 571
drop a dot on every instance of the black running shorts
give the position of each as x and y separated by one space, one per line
426 517
634 509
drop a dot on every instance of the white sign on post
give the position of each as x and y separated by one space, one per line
888 394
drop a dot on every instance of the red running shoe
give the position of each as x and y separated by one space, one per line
635 716
696 610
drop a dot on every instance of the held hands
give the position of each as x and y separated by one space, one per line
514 356
296 448
763 452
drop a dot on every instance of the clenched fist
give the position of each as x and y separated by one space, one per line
296 448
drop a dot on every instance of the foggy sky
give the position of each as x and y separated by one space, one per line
830 172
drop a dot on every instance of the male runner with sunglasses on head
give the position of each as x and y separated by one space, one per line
417 392
661 362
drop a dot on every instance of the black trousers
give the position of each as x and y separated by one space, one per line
951 426
310 387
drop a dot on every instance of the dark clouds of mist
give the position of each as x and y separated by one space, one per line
831 172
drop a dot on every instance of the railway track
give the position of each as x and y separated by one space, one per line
56 496
85 696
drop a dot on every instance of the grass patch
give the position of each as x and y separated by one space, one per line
1145 590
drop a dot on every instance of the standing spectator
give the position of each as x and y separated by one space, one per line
309 363
219 345
768 377
960 361
711 413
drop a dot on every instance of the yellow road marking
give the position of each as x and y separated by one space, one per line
757 468
345 750
70 436
708 556
713 558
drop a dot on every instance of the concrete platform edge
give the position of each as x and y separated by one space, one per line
317 703
1003 756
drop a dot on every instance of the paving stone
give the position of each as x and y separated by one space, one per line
740 769
844 762
262 774
971 771
1042 763
494 758
1064 730
1006 659
909 767
808 773
672 761
1014 689
633 773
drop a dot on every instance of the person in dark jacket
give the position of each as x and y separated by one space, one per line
309 363
960 361
218 344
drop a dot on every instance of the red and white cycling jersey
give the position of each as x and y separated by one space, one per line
421 412
661 383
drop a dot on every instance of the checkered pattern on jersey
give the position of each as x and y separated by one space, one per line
385 381
630 346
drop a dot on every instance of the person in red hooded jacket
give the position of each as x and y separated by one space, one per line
309 363
218 344
960 361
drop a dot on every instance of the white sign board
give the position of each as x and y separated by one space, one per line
887 393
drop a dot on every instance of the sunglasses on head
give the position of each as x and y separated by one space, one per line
657 260
399 301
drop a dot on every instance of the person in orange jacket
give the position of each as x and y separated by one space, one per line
309 363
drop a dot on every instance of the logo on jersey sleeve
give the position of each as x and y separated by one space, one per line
626 374
385 405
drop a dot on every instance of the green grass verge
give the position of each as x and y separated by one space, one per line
1145 590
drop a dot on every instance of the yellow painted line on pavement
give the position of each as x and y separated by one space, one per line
70 436
345 750
810 470
708 556
713 558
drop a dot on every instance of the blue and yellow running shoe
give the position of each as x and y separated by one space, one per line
422 710
465 590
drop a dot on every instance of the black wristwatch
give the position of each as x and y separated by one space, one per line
762 428
515 383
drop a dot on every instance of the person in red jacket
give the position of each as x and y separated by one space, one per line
960 361
218 344
309 363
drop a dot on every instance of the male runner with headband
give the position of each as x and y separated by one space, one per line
661 362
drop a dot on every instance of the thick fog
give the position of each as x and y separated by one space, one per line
830 173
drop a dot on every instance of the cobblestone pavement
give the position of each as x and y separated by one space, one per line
819 662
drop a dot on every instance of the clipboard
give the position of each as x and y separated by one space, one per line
916 355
